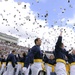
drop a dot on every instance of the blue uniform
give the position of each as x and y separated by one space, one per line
59 52
0 59
21 59
49 61
11 58
31 60
3 60
16 57
60 55
35 53
71 58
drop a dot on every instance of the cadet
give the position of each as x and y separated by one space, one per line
20 63
11 62
71 60
60 54
3 64
49 63
36 55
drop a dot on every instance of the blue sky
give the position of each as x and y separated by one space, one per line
54 8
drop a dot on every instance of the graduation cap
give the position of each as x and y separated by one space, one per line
28 37
6 0
45 19
73 27
14 15
19 3
9 31
24 6
62 11
33 23
70 6
4 10
29 19
19 18
14 7
14 27
65 23
32 3
41 15
68 20
38 14
55 22
40 26
60 7
74 24
51 25
16 23
3 19
37 1
22 24
46 15
68 1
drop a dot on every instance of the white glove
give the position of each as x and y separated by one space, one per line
24 69
16 65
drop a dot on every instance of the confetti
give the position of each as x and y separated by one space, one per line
40 25
70 6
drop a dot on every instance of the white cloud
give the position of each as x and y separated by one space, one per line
16 16
12 13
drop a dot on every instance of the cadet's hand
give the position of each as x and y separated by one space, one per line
73 52
24 69
61 32
70 51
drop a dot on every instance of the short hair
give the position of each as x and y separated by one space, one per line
1 55
24 54
13 51
36 40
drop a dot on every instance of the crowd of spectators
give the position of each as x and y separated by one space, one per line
7 47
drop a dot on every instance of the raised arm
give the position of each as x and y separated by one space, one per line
59 41
45 59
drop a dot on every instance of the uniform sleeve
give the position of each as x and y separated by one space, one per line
59 41
14 61
30 56
19 56
70 58
7 60
52 61
45 59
